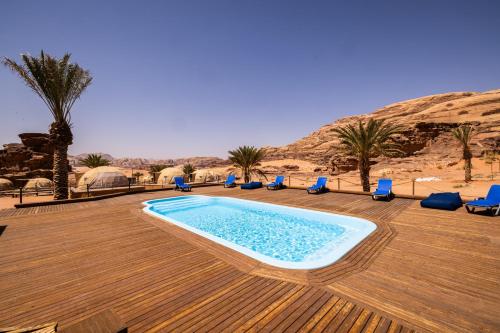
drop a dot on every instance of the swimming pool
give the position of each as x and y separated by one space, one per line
281 236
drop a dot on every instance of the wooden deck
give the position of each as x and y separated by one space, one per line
423 270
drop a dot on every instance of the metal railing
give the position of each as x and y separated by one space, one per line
409 186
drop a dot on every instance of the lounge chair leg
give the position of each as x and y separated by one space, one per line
469 210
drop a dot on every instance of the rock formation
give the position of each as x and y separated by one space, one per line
30 159
428 122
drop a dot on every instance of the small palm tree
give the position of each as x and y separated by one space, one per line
94 161
368 140
490 158
188 169
248 158
155 169
463 134
59 84
137 175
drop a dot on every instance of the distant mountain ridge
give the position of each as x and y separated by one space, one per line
144 163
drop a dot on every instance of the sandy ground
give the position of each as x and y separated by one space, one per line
302 173
9 202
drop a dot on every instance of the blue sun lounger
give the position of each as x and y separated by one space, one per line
384 189
230 181
319 187
491 202
180 185
277 184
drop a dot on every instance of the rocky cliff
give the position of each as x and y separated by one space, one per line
428 122
30 159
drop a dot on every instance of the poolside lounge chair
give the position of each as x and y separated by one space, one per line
230 181
491 202
180 185
251 185
277 184
319 187
446 201
384 189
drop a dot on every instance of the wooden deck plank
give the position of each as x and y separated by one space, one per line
425 270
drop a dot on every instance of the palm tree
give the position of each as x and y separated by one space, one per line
94 161
137 175
463 134
59 84
188 169
489 158
366 140
155 169
248 158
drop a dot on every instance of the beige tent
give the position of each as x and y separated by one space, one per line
167 175
5 184
207 175
103 177
38 183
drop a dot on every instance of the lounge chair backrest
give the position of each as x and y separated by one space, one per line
179 181
494 193
385 184
230 179
321 181
279 179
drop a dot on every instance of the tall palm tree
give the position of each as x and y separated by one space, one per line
248 158
366 140
59 84
463 134
94 161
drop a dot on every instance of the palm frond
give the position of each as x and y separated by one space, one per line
94 161
369 139
57 82
248 158
463 133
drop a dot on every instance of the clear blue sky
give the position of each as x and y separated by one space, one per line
196 78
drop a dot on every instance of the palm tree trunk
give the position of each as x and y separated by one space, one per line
61 172
246 176
468 169
364 174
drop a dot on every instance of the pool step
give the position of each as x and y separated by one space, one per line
179 204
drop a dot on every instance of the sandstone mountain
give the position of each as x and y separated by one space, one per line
428 122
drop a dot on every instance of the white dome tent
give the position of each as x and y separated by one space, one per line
103 177
206 175
167 175
38 183
5 184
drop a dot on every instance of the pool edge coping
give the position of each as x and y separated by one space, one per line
261 258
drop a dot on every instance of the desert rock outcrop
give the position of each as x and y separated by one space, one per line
30 159
428 122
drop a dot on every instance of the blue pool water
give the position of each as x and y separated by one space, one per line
278 235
